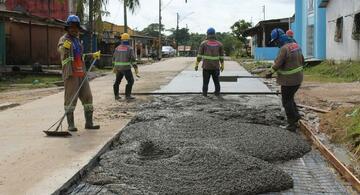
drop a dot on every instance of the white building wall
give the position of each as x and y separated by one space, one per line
348 48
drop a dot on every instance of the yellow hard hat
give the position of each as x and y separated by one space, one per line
125 37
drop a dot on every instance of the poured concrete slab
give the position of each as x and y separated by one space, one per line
191 81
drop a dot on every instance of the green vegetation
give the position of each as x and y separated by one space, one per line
343 126
328 71
28 82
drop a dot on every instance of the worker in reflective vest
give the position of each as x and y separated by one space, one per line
74 72
123 60
211 52
289 68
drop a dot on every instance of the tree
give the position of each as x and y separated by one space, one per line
152 30
195 40
99 10
238 30
131 5
182 36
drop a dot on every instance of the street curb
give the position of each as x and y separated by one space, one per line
89 166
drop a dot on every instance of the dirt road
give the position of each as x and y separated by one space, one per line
31 163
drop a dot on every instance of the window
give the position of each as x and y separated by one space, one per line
339 29
310 41
310 6
356 27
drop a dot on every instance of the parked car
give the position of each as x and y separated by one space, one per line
168 51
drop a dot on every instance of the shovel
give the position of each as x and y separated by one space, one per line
58 132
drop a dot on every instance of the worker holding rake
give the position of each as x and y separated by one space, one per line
74 74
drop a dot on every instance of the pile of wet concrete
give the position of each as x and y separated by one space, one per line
196 145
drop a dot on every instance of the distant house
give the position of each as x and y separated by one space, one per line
111 38
310 28
343 29
261 48
30 30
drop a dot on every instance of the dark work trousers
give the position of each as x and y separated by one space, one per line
215 74
291 110
130 82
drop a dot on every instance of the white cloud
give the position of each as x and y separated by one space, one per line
220 14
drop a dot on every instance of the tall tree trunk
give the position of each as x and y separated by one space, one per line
91 27
125 17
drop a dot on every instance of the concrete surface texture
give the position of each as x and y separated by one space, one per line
191 81
34 164
182 145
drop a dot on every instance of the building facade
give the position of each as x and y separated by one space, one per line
260 35
343 29
43 8
310 28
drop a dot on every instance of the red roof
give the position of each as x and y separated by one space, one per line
43 8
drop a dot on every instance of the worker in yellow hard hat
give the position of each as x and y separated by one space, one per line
123 60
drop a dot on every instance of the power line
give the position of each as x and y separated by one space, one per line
167 5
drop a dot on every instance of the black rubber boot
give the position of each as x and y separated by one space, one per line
292 125
128 90
117 98
89 121
70 120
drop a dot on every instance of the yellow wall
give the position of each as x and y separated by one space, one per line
116 29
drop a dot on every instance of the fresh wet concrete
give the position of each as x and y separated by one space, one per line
197 145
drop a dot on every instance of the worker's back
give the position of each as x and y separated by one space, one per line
212 53
290 62
123 57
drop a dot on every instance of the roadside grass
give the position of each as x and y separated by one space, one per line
343 126
28 82
329 71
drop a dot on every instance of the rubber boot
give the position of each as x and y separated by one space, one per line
89 121
128 90
70 120
292 125
117 98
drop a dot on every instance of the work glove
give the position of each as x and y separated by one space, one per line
222 66
196 66
96 55
67 44
137 72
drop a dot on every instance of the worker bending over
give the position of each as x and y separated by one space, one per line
289 67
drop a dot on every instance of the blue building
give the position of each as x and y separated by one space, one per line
261 48
310 28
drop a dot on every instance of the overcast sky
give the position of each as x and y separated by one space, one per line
200 14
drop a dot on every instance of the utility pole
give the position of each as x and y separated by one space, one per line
91 14
177 33
125 17
264 11
160 46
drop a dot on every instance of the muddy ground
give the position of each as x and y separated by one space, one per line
197 145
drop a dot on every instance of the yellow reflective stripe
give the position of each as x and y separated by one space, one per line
67 60
122 63
210 57
272 70
88 107
69 108
290 72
